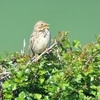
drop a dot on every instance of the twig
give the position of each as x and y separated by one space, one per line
4 73
48 49
23 49
88 60
58 55
3 78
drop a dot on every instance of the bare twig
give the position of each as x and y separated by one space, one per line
4 73
4 77
23 49
48 49
88 60
58 55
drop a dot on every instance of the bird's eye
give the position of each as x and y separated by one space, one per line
42 24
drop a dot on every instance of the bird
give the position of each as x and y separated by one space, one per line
40 38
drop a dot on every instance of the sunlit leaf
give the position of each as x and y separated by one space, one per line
37 96
76 44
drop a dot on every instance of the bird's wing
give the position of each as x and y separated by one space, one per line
32 39
31 42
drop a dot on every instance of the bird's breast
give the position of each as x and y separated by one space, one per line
42 42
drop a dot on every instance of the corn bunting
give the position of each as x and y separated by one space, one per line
40 38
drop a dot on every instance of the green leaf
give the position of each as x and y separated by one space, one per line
76 44
78 78
27 71
98 38
8 96
14 86
42 64
19 74
42 72
66 33
41 80
98 93
22 94
6 84
37 96
75 77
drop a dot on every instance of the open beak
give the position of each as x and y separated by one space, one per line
46 26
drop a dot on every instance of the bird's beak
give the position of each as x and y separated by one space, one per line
46 26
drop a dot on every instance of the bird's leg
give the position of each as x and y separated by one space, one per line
48 50
36 57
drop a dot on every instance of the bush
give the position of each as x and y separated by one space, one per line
68 72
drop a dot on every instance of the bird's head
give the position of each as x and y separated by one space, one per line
41 25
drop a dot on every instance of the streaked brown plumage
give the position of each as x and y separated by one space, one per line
40 38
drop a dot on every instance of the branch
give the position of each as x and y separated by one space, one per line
6 75
58 55
23 49
48 49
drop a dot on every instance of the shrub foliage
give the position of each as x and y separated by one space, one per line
69 72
